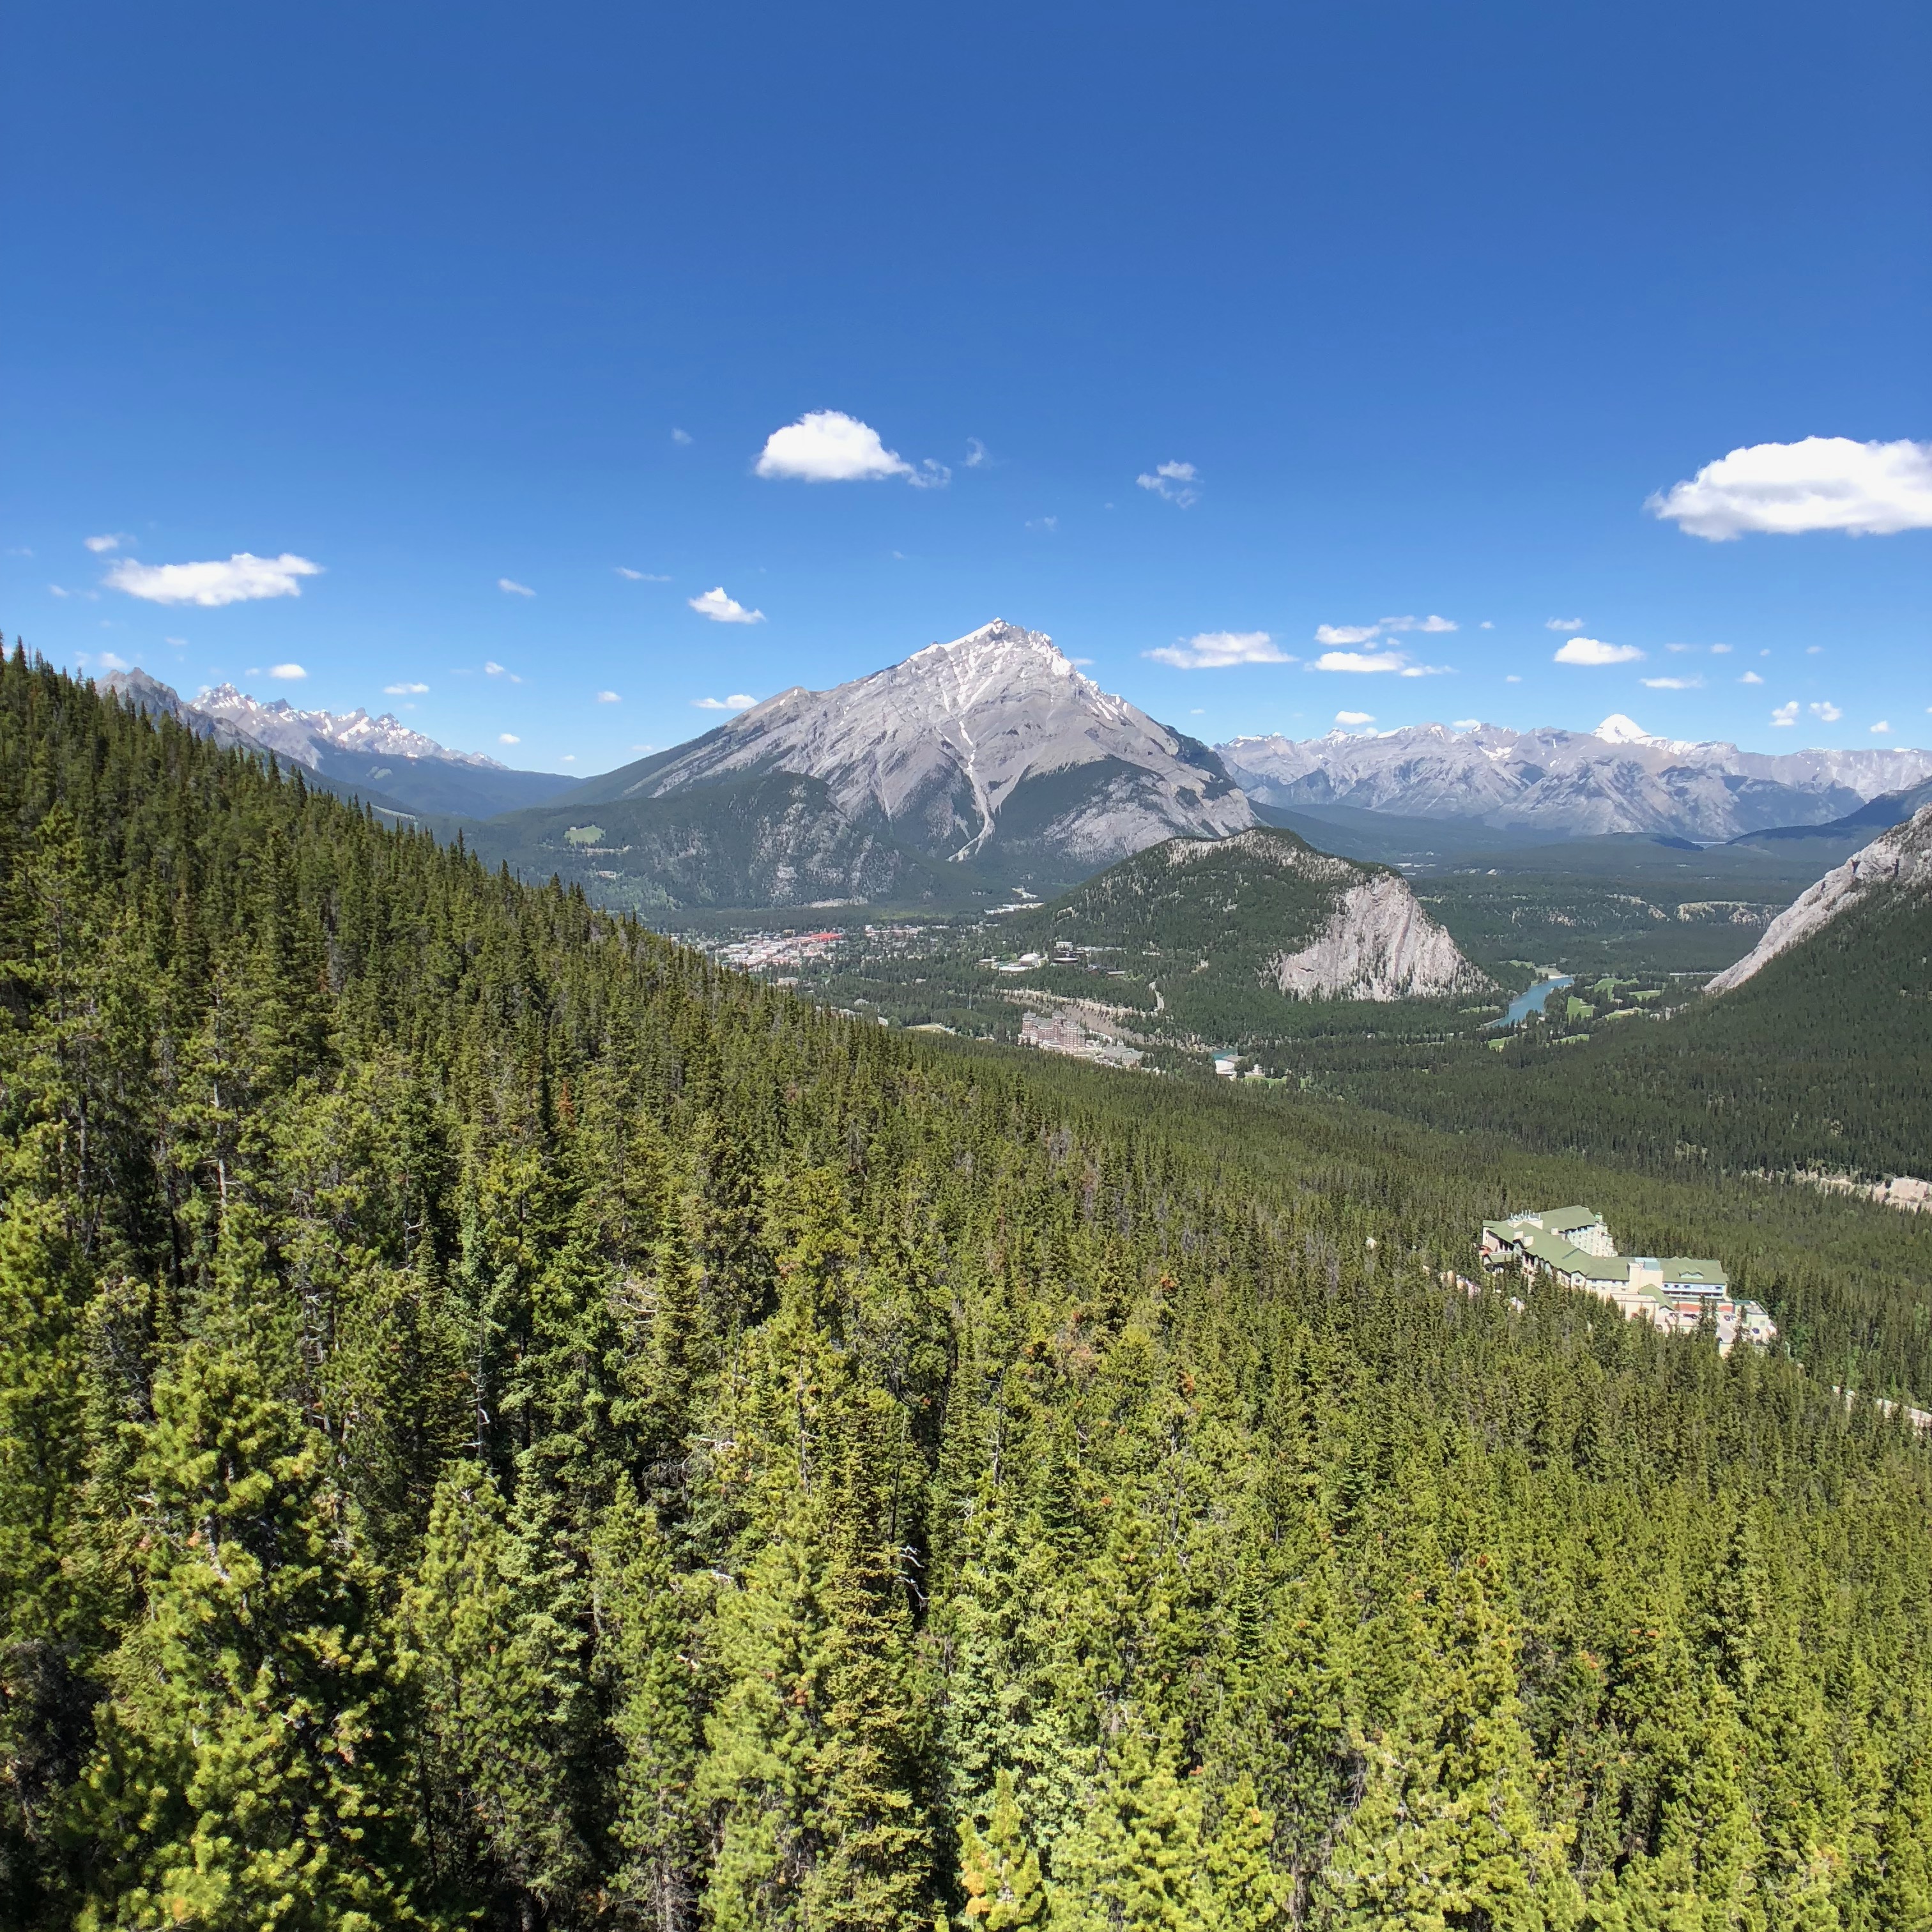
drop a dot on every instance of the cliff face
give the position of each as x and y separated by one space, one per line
1378 944
1898 861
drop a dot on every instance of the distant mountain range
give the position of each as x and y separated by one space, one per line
381 760
990 761
1617 779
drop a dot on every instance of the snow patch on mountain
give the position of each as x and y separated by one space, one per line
300 735
1900 860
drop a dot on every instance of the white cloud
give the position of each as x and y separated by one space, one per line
1827 713
1720 650
103 661
1354 718
58 590
1823 483
680 435
1047 523
241 580
1594 651
289 673
1082 662
737 701
1176 482
930 475
723 609
1431 623
976 457
641 576
1345 634
1361 660
404 690
1881 728
1680 648
608 697
1562 623
112 540
1486 625
1213 650
828 446
1672 683
568 758
491 668
1750 677
510 587
1813 650
1512 678
1425 670
1786 714
508 738
1466 724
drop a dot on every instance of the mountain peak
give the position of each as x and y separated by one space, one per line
1618 730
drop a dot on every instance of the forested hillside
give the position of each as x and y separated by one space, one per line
502 1423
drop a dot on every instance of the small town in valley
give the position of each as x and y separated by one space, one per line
1673 1293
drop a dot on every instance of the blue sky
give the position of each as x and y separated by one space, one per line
1430 299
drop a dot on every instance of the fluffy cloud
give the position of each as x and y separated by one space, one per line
930 475
1827 713
1672 683
737 701
1562 623
1466 724
289 673
1594 651
112 540
1823 483
1786 714
608 697
828 446
723 609
1213 650
1176 482
508 738
1881 728
1345 634
404 690
241 580
680 435
1720 650
511 588
1354 718
1750 677
1363 661
641 576
1431 623
492 669
976 453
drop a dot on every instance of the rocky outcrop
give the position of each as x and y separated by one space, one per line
1900 860
1378 944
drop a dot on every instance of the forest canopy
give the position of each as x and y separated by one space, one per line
502 1423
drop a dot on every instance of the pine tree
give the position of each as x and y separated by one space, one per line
998 1871
1241 1890
247 1770
1135 1865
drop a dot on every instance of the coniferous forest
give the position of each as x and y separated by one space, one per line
504 1424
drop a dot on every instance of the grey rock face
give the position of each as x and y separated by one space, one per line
1378 944
992 746
1617 779
1900 860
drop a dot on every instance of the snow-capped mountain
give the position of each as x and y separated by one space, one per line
303 735
1619 777
991 750
378 759
1898 861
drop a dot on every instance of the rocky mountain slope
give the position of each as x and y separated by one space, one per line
1260 910
1894 869
1617 779
380 759
991 750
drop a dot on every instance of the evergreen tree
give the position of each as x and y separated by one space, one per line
246 1769
998 1871
1136 1863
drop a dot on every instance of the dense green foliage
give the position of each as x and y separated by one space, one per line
501 1423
